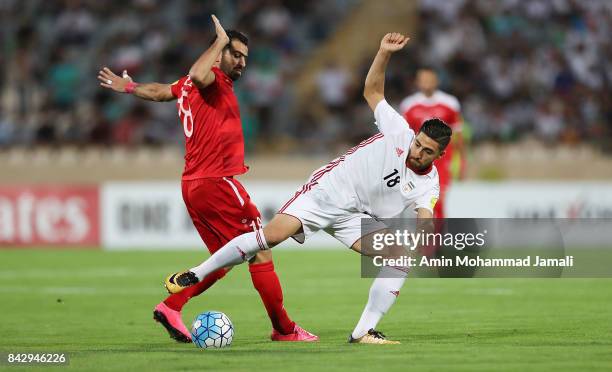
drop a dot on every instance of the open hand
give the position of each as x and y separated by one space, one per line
221 34
393 42
108 79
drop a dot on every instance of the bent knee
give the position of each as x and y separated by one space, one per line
281 228
357 246
275 236
261 257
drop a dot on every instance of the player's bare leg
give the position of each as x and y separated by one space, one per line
383 293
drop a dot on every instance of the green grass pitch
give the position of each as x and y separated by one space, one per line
97 306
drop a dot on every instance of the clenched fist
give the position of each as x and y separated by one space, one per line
393 42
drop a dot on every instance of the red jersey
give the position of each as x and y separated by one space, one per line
214 144
418 108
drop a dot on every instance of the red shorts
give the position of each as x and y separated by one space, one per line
220 209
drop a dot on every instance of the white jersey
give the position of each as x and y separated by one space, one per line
373 178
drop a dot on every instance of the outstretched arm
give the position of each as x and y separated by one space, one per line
200 72
374 90
124 84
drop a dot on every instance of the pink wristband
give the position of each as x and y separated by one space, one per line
129 87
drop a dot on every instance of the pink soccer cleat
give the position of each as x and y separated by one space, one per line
172 321
299 334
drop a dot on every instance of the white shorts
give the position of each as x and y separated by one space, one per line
316 211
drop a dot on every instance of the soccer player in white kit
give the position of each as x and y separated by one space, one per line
379 178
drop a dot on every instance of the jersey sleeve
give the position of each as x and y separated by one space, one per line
215 84
390 121
219 77
177 86
429 199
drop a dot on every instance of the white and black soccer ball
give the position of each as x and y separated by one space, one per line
212 329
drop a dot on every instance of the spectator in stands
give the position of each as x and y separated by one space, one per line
512 63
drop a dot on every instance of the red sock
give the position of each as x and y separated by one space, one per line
267 284
178 300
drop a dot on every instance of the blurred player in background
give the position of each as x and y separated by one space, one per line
379 178
218 204
429 103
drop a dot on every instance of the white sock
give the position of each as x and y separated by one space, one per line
383 292
240 249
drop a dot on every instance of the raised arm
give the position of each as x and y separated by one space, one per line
200 72
374 90
123 84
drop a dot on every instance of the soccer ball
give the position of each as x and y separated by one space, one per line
212 329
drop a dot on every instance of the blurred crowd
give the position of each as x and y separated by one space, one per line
520 68
52 51
542 67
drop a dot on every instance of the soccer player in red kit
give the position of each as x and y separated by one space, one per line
218 204
430 103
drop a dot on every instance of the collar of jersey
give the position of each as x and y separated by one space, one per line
225 76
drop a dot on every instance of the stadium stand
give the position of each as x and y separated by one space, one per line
523 70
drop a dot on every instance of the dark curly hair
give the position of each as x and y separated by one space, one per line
233 35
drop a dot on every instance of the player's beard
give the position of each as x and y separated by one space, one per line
415 165
232 71
235 74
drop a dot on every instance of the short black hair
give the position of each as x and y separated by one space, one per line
438 131
234 35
